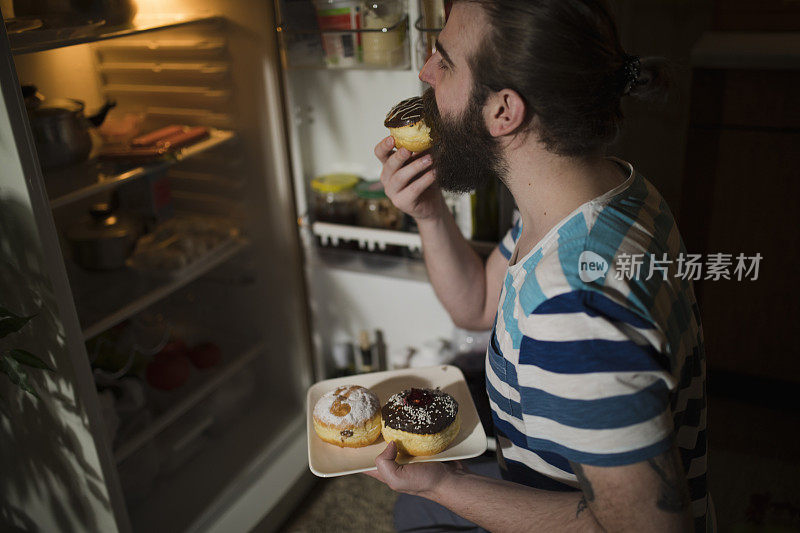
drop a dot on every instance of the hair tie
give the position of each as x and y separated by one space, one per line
632 68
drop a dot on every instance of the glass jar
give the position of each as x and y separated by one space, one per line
342 49
334 198
375 210
388 47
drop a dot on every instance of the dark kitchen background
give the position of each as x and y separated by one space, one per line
724 153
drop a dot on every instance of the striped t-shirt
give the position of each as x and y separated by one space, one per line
586 367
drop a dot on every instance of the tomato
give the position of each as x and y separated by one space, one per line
168 372
205 355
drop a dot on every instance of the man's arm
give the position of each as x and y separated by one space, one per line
467 288
648 496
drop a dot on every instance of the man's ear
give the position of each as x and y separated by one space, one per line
504 112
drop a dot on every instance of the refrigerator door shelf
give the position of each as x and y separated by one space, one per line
370 43
373 238
369 238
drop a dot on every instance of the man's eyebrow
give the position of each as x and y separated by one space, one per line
443 52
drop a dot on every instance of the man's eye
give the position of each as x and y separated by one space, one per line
443 65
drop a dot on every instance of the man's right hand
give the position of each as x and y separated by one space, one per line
411 186
468 290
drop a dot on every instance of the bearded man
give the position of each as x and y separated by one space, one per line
595 376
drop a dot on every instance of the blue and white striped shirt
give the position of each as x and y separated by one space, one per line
588 368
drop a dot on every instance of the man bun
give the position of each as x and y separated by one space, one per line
654 80
566 61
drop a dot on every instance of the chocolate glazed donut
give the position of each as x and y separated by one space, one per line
407 112
406 124
421 421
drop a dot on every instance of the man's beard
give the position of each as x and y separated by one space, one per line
465 155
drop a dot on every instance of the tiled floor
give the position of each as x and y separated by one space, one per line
754 477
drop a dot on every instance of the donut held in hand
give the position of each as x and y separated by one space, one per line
348 416
420 421
406 124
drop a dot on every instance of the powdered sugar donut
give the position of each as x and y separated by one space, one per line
348 416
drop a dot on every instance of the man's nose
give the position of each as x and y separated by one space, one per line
426 73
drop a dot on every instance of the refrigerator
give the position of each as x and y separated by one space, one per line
260 297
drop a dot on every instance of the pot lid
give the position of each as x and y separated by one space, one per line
101 223
58 106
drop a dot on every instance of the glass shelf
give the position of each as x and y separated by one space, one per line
200 386
43 38
104 299
86 179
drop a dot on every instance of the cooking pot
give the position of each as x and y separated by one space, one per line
60 129
103 240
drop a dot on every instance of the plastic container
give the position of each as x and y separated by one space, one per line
334 198
386 48
432 353
375 210
341 49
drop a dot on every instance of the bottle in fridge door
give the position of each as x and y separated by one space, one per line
385 41
342 49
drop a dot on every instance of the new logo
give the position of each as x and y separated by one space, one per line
591 266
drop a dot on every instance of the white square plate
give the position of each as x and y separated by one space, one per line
329 460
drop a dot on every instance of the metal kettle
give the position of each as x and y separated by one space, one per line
60 129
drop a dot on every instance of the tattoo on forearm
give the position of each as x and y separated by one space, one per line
673 495
581 506
586 486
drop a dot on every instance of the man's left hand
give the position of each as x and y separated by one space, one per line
418 478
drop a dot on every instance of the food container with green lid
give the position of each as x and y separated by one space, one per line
375 209
334 198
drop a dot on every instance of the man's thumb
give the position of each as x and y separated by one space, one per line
389 453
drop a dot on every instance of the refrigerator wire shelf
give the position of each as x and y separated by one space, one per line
107 298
